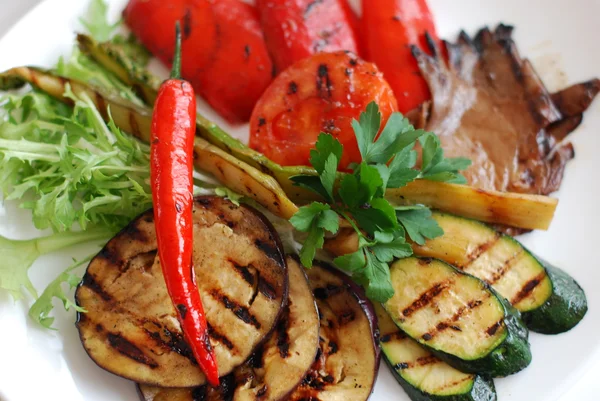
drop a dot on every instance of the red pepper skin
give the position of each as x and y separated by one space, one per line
172 141
225 54
297 29
389 28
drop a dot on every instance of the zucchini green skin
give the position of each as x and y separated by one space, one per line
563 310
482 390
510 356
561 304
433 379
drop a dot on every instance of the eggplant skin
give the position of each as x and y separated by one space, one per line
275 369
346 366
131 327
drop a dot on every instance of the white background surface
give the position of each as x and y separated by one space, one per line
550 65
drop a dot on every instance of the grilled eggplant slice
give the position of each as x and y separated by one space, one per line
348 360
131 329
458 317
421 374
273 371
551 302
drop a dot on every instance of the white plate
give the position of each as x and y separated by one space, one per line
560 37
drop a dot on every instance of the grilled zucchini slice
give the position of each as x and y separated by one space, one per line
424 376
550 300
458 317
348 360
274 370
131 328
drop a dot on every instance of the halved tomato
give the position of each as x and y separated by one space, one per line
322 93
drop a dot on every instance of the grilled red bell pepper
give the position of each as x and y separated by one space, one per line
173 130
389 28
226 58
297 29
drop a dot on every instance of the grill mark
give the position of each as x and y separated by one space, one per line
454 383
238 310
449 323
224 392
508 264
170 340
528 288
272 252
426 297
323 80
130 350
90 282
111 256
421 361
346 317
494 328
480 250
283 338
395 336
292 88
244 272
322 293
217 336
265 288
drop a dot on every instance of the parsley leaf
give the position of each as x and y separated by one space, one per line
419 224
388 161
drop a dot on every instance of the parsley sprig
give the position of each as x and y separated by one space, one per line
388 161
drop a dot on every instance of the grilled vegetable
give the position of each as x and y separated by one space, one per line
347 363
295 30
226 60
550 300
322 93
273 371
424 376
239 176
458 317
517 210
389 28
131 327
252 174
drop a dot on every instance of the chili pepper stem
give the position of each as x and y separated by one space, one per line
176 69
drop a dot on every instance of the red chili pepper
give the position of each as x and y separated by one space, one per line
173 130
389 28
297 29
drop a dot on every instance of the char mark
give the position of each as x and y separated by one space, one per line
426 298
508 264
130 350
170 340
283 338
266 288
322 293
271 251
323 81
451 322
480 250
90 282
245 272
217 336
528 288
494 328
238 310
187 24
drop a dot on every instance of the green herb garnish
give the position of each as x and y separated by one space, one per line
388 161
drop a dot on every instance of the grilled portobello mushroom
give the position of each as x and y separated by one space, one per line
275 369
457 317
348 360
131 328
